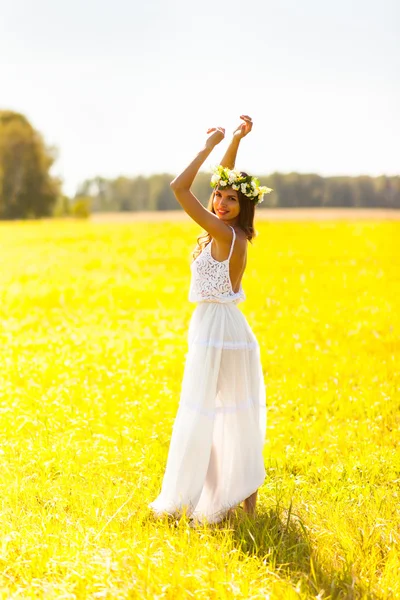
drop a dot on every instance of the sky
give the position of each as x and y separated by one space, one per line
128 87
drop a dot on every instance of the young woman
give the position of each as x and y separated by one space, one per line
215 459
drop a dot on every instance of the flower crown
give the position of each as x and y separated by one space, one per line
249 186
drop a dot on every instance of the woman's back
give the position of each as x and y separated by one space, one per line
211 278
238 261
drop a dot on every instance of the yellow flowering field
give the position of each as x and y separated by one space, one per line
93 332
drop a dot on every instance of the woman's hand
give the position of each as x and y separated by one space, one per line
218 134
244 128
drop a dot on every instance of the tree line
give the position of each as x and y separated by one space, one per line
28 190
289 190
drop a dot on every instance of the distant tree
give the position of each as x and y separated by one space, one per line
387 190
62 207
98 189
81 207
161 194
364 192
339 192
27 190
140 193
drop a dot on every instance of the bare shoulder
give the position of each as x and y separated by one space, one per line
239 251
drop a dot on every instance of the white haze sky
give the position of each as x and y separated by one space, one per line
128 87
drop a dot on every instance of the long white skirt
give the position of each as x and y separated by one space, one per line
215 458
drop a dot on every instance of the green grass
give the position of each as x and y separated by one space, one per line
92 345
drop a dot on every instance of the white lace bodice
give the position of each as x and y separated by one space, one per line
210 281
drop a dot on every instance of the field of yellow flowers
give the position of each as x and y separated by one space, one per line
92 344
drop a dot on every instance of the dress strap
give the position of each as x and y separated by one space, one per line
233 242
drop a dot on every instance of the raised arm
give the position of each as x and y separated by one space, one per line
192 206
229 157
240 132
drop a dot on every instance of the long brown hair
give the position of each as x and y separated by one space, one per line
246 219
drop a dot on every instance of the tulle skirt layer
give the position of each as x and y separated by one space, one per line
215 457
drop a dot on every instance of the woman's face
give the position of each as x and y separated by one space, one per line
226 203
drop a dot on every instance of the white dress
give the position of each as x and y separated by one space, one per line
215 457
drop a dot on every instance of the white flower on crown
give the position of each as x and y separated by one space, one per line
222 183
243 187
215 178
265 190
235 186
